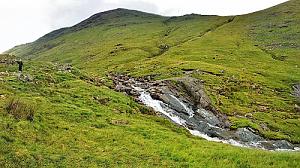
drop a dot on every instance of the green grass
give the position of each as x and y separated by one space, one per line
249 64
72 128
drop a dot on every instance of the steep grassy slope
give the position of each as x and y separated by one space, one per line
249 64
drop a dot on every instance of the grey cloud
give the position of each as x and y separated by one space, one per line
73 12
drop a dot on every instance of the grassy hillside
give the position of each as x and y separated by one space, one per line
249 64
79 123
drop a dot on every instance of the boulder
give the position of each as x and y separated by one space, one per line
283 144
28 78
122 88
134 93
156 96
245 135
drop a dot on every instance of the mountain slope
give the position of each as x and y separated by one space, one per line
249 64
259 57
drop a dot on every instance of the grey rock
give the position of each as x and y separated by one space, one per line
264 127
175 103
296 91
283 144
156 96
122 88
28 78
119 87
209 117
297 108
134 93
195 88
245 135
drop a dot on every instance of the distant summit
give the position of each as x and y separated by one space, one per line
115 16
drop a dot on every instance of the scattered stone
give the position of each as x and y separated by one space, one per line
264 127
122 88
134 93
283 26
65 68
97 81
102 101
248 115
263 108
296 92
119 122
297 108
28 78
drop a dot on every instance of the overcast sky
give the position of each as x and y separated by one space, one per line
24 21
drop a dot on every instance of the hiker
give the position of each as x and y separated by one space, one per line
20 63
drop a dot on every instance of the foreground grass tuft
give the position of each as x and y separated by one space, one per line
20 109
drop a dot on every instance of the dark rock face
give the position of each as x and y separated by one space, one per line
191 91
195 88
184 88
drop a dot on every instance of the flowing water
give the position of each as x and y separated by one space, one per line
185 121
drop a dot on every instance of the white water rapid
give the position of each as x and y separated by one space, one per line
166 110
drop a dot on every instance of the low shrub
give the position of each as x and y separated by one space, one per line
20 109
147 110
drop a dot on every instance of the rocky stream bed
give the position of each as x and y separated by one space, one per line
184 102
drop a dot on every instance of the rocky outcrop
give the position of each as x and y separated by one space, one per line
192 91
194 88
